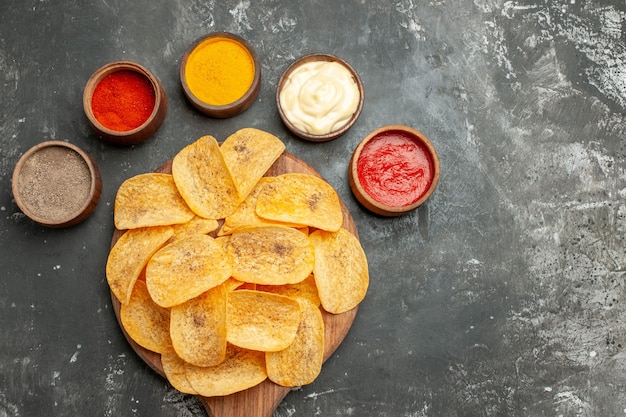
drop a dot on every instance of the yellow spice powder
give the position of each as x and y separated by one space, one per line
219 71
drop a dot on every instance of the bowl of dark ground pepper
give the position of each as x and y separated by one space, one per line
125 103
56 184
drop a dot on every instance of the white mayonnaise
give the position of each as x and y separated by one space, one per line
319 97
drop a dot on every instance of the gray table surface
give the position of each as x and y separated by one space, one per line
503 295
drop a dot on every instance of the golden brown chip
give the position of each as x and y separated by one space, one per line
129 256
248 154
203 179
240 370
185 269
304 290
198 328
245 215
149 200
247 286
261 321
144 321
270 255
174 370
231 284
341 271
197 225
222 241
305 229
301 199
301 362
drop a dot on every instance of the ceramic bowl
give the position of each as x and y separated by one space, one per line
132 136
198 51
394 170
284 112
56 184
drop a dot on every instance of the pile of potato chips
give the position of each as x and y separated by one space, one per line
225 272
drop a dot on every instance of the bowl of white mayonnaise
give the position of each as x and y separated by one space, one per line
319 97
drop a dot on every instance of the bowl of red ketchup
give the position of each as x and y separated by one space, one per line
394 170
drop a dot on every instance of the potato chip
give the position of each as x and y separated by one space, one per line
144 321
270 255
231 284
301 362
245 215
129 256
302 290
261 321
301 199
304 229
247 286
203 179
198 328
341 271
197 225
185 269
174 370
240 370
248 154
149 200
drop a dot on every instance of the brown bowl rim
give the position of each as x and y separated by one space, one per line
152 123
236 107
95 187
370 203
335 133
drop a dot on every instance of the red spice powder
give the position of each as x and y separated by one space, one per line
123 100
395 169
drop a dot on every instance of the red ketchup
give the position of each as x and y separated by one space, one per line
395 169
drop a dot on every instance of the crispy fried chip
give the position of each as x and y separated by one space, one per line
270 255
185 269
247 286
174 370
248 154
242 369
245 215
301 362
144 321
303 290
231 284
197 225
301 199
149 200
203 179
341 271
261 321
198 328
129 256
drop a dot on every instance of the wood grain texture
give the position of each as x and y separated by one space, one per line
263 399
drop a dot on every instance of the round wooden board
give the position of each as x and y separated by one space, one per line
263 399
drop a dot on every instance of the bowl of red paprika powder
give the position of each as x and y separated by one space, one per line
220 74
125 103
394 170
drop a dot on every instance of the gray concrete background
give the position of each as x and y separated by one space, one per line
502 296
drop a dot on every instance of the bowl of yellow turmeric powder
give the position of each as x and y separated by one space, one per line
220 74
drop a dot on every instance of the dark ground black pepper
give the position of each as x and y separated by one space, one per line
54 183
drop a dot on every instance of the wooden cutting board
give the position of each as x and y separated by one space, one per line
263 399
